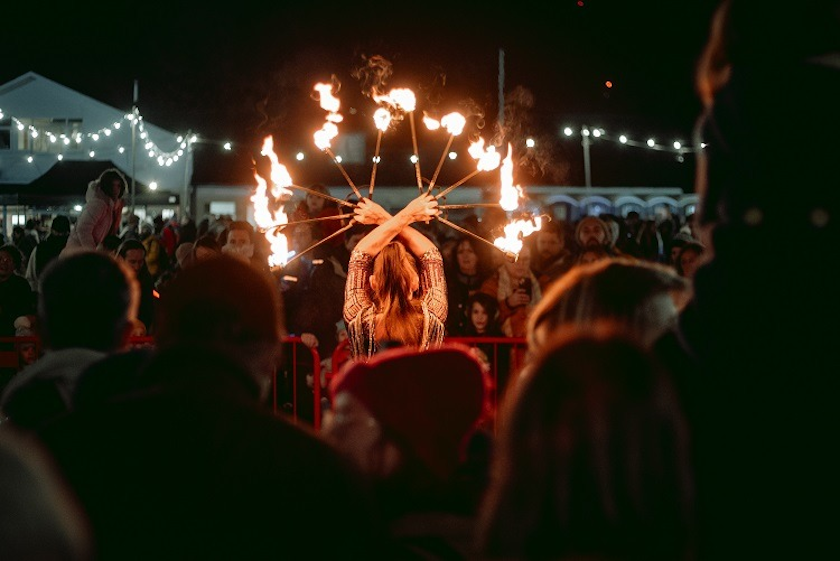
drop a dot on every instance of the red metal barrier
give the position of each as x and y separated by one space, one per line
511 361
507 352
316 386
10 352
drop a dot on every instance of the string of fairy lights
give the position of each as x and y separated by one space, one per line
183 142
91 140
591 134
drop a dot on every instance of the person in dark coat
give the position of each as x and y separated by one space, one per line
16 297
175 454
47 250
758 335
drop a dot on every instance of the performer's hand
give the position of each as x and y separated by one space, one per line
369 212
422 209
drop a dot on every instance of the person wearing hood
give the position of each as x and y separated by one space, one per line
101 214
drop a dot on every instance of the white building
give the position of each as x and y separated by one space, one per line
54 140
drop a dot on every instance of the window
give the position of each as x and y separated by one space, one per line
219 208
351 148
5 133
51 135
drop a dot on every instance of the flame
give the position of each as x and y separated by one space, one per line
323 137
510 193
488 159
401 98
515 232
509 197
280 179
453 123
431 124
330 103
382 119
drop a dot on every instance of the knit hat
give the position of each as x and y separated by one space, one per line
183 253
427 402
592 220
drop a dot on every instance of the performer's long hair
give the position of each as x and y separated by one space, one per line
402 317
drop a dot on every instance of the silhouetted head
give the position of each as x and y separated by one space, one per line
88 300
225 304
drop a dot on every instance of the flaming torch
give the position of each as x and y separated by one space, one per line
280 180
382 120
516 230
323 137
404 100
488 160
454 125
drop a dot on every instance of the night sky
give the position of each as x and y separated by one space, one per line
245 69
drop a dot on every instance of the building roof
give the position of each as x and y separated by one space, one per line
68 180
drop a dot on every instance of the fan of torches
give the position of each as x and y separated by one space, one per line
392 106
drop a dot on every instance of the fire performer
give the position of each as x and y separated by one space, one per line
389 299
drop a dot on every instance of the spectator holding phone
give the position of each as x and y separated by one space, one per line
517 291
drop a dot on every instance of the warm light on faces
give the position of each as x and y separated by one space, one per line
479 317
467 258
314 203
522 266
548 245
592 234
238 238
135 258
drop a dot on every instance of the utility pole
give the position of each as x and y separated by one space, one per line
585 142
501 87
186 203
134 113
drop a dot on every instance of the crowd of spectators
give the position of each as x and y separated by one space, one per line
665 392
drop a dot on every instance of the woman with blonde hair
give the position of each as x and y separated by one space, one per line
396 290
641 297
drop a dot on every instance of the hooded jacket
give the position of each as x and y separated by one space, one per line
99 218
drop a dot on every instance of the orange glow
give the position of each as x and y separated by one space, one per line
488 159
515 232
431 124
510 193
331 104
608 84
509 198
323 137
382 119
400 98
280 180
328 101
453 123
